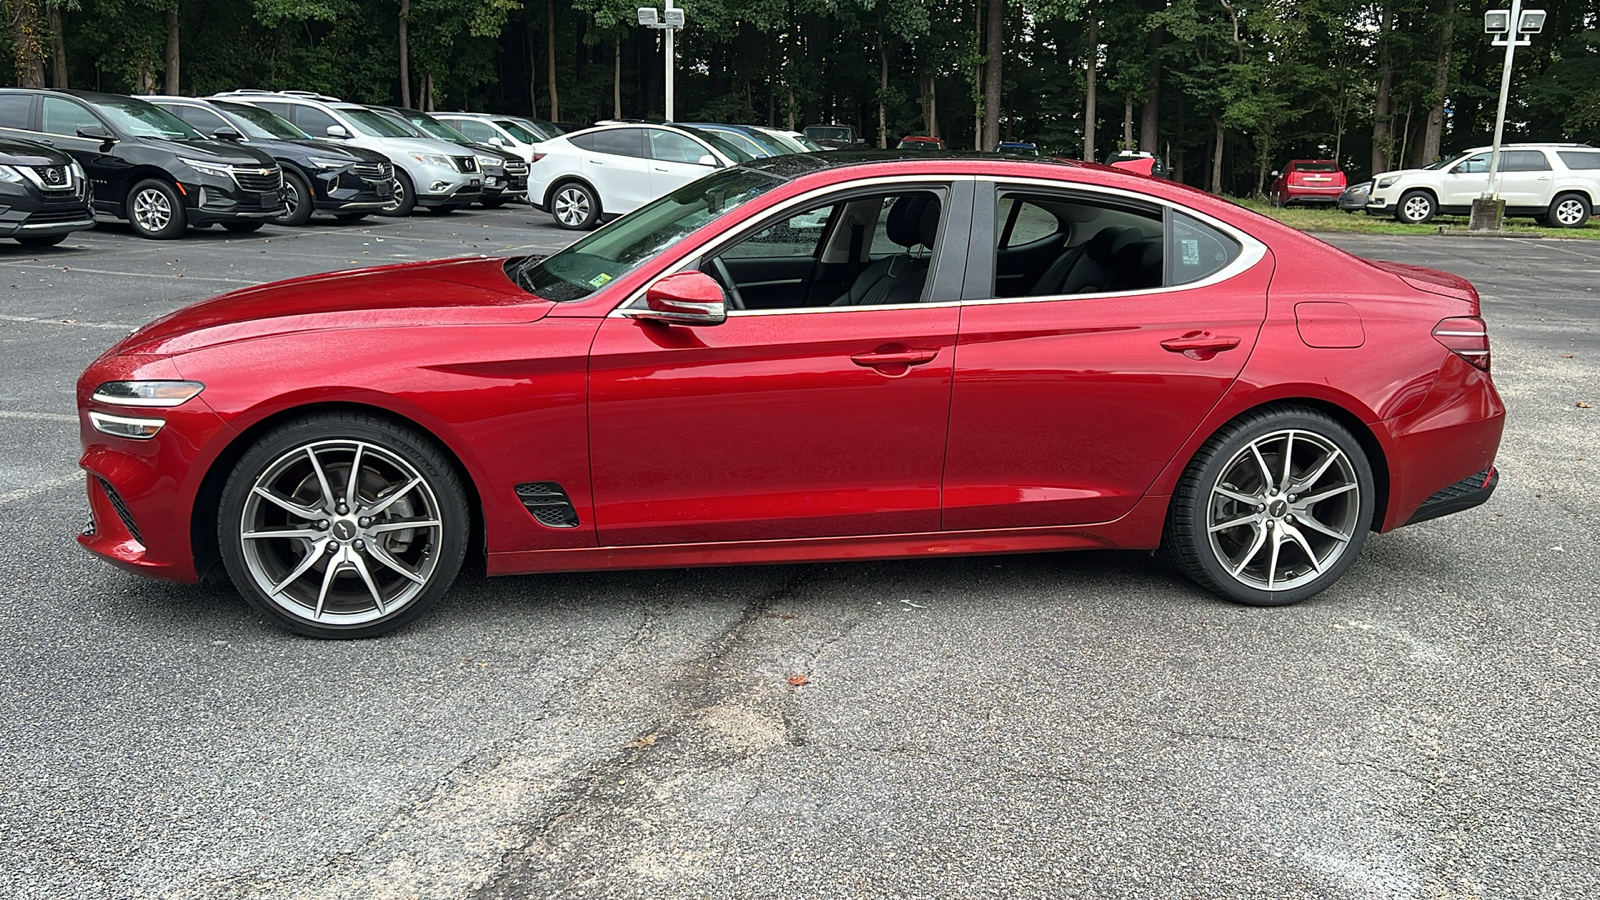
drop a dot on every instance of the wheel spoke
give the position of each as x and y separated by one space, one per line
322 479
1314 499
1224 526
1255 547
1266 470
1300 539
402 525
334 565
1322 467
360 565
389 500
1314 525
1232 494
1272 564
267 533
353 481
378 553
293 508
1288 459
310 559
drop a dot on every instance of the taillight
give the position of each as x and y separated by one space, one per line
1466 337
537 157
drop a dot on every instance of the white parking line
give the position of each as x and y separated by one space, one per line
118 326
41 487
41 416
68 270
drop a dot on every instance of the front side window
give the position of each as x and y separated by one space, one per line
520 133
1476 164
141 119
374 125
477 131
263 124
65 117
668 146
204 120
314 121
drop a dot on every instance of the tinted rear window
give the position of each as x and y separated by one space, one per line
1316 167
1580 159
14 109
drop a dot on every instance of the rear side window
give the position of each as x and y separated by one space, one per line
1524 161
1196 251
14 110
620 142
1580 159
1021 222
65 117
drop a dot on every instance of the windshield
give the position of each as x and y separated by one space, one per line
435 128
631 241
744 142
727 148
518 132
373 125
261 124
141 119
808 143
824 133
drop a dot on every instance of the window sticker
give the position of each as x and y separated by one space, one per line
599 280
1191 251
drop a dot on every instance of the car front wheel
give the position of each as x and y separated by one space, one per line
156 211
298 201
405 196
1569 211
1274 508
1416 208
575 206
343 525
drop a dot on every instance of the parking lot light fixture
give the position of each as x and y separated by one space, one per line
1510 28
668 20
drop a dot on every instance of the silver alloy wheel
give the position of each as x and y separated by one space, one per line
1416 209
399 195
335 548
572 206
1284 510
152 210
291 199
1570 212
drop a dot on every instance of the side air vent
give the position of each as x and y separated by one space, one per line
121 508
548 504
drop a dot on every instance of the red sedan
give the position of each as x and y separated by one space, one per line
803 358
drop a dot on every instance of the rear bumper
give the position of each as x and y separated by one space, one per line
1471 491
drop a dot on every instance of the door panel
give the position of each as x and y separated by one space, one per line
770 425
1064 411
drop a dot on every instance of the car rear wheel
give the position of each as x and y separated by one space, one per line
575 206
298 201
1569 211
1274 508
343 525
1416 208
156 211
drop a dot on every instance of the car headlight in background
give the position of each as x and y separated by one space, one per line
7 173
324 163
1386 182
147 393
490 162
429 159
221 170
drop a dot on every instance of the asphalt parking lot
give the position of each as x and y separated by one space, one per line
1086 725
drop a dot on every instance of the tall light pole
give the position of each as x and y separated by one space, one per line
1510 28
668 20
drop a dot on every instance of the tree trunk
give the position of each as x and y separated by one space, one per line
1127 120
550 60
58 49
1434 135
1091 111
405 54
1216 158
1149 120
1381 111
172 50
883 87
529 36
23 19
616 78
994 33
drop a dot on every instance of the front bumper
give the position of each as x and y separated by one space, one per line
25 212
436 187
209 200
346 190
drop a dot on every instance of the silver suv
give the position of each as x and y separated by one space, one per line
429 173
1556 184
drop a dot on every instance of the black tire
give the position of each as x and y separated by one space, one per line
298 200
1416 208
1569 211
155 210
350 217
405 196
42 241
493 202
288 578
574 205
441 210
1235 561
243 227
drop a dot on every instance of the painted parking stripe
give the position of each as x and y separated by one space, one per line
115 326
41 487
38 416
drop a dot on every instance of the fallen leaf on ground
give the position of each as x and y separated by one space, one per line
799 680
1583 405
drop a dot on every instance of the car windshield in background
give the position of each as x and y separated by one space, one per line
435 128
626 244
1316 167
828 134
518 132
727 148
142 119
374 125
261 124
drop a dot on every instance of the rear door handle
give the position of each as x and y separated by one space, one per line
1200 344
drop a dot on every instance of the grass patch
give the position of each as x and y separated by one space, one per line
1328 219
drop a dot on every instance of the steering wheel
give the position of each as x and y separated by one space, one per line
735 299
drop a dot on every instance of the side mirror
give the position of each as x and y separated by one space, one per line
227 134
498 141
1274 173
707 160
687 298
337 131
96 133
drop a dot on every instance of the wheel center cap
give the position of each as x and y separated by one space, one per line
1278 509
344 530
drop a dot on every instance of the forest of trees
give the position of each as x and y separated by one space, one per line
1223 89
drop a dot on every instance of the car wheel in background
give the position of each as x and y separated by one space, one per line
343 525
156 211
575 206
1416 208
242 227
493 202
298 201
1569 211
405 196
1274 507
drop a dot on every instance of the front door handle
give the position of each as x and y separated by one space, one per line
1200 345
895 359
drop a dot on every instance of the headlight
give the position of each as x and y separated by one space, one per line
322 163
7 173
428 159
221 170
147 393
77 169
126 426
490 162
1386 182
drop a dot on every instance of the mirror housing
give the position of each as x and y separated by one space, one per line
707 160
227 134
1274 173
96 133
337 131
687 298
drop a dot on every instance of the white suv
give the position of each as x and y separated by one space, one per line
1557 184
428 172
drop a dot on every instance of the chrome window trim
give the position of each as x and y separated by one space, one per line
1251 250
717 243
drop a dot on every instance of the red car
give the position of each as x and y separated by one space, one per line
919 142
802 359
1307 181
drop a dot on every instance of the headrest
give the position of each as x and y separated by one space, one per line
1126 239
928 228
1102 247
904 223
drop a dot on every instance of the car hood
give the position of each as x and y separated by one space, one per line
446 292
423 145
222 152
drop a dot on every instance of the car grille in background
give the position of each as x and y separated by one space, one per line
374 171
548 503
516 167
466 163
74 213
254 180
121 508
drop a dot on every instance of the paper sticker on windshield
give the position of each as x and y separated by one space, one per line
1191 251
599 280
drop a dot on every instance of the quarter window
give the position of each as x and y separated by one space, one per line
1196 250
1579 159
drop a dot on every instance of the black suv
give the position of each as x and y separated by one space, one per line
43 194
505 174
318 176
147 165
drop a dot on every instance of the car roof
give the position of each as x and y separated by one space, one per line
795 165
